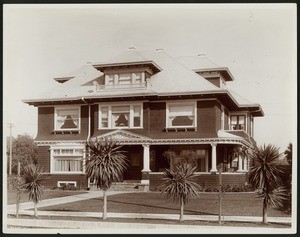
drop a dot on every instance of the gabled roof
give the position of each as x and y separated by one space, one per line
122 135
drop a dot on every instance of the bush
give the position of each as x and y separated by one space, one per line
228 188
69 187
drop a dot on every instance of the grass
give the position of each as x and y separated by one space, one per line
11 195
158 221
244 204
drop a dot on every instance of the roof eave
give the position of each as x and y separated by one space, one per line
100 66
224 71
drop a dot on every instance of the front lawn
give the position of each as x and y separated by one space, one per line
244 204
11 195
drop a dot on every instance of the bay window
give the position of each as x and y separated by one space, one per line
181 115
120 116
67 118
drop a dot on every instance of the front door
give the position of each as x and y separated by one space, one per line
135 159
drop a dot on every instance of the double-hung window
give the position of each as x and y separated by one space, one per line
181 115
120 116
238 122
67 118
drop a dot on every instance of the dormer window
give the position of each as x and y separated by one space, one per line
238 122
136 78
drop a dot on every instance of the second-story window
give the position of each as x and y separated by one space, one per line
67 118
237 122
181 115
120 116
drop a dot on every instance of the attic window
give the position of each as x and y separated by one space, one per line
67 118
135 78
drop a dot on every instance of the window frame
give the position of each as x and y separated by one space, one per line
238 114
57 108
59 183
181 103
133 75
110 112
75 155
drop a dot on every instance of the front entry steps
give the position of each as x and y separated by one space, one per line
126 185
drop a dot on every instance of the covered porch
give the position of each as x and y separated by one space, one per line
148 158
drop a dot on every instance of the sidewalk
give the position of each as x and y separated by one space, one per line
156 216
97 227
62 200
96 194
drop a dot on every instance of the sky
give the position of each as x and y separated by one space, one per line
257 42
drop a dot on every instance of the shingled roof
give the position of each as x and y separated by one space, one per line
173 76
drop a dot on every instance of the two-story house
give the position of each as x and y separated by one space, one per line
151 103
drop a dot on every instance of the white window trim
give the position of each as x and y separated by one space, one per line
67 107
182 103
235 114
131 114
52 158
132 77
59 183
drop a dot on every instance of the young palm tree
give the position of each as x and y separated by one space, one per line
33 176
105 164
265 176
178 185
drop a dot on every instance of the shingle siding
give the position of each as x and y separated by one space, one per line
206 121
43 158
46 125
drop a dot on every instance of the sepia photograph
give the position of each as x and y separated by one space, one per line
149 119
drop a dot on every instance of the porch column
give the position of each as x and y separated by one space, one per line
213 158
146 158
146 165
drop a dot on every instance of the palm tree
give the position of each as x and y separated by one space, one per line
288 153
178 185
33 176
105 164
265 177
